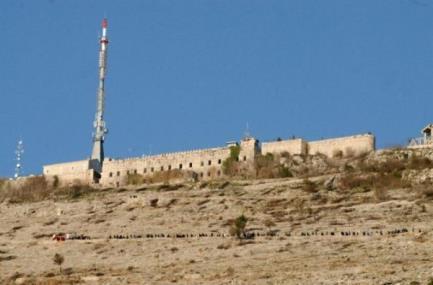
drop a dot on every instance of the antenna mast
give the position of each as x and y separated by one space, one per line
19 153
100 130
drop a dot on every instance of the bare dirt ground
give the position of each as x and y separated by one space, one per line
295 255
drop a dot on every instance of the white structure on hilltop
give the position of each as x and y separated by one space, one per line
425 141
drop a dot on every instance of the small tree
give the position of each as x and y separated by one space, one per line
238 227
230 165
56 181
58 259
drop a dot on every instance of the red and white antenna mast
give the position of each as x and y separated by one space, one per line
100 129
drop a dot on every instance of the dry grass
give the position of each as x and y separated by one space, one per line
35 189
32 189
158 177
268 166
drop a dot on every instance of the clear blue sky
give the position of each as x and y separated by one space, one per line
191 74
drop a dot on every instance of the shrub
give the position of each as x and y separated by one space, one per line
309 186
238 227
234 152
231 165
269 223
284 172
380 194
266 166
56 181
74 191
285 154
58 259
32 189
165 176
350 152
337 153
134 179
417 162
351 181
2 183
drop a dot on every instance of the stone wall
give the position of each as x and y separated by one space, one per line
205 163
70 172
292 146
351 145
202 164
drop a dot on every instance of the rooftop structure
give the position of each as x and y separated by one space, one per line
424 141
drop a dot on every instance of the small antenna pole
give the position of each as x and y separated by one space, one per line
247 132
18 158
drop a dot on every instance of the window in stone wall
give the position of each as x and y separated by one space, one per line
180 166
135 171
202 163
118 173
209 162
201 174
144 171
169 167
117 184
190 165
219 172
111 174
208 174
245 158
162 168
219 161
152 169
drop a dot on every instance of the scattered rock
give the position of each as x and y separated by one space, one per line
154 202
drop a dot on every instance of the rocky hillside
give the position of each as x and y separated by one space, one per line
356 220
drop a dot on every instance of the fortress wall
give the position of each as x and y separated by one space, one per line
206 163
69 172
292 146
348 145
203 164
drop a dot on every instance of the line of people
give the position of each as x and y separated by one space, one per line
175 235
360 233
246 235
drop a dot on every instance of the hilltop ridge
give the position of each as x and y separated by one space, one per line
363 220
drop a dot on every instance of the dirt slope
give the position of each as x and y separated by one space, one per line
302 251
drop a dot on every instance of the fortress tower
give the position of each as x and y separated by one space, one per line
100 130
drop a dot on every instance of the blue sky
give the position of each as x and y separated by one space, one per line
191 74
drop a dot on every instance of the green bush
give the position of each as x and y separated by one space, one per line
230 166
238 227
284 172
58 259
234 152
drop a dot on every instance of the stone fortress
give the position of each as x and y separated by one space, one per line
203 164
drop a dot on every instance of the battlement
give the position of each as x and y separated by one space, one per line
170 154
